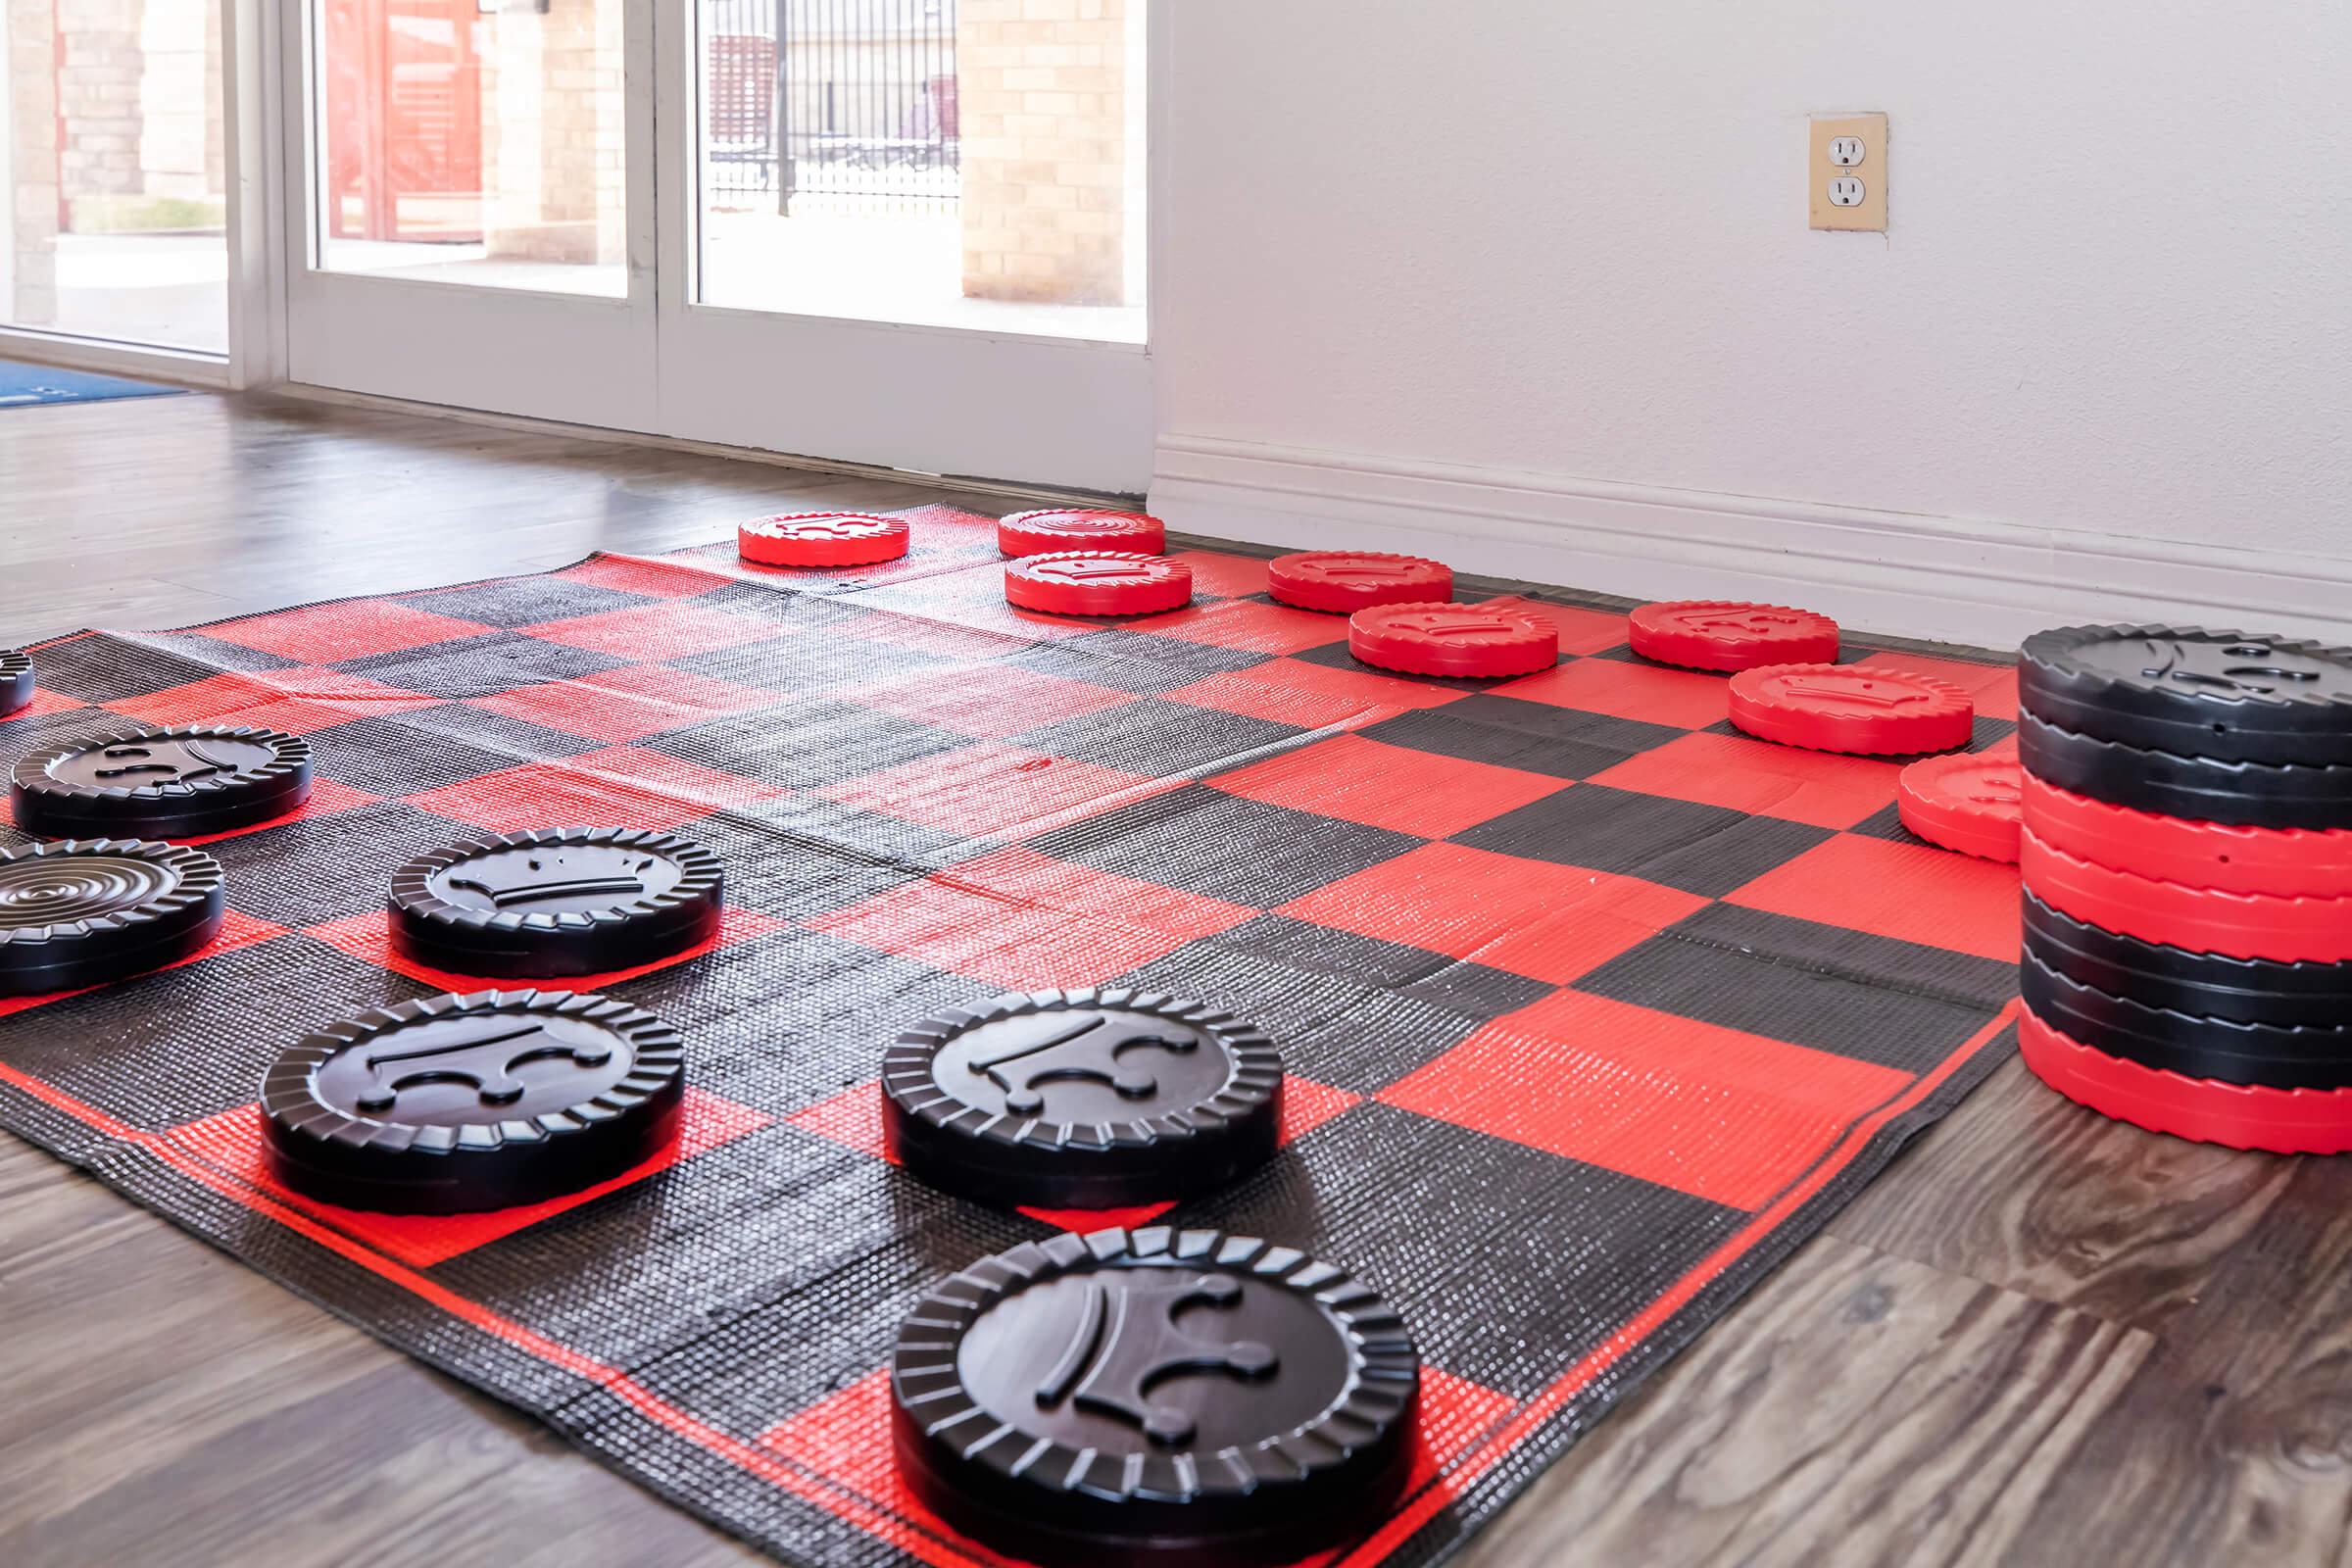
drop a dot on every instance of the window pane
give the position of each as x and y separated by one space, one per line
956 162
474 142
113 202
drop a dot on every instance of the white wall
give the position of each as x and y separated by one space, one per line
1528 282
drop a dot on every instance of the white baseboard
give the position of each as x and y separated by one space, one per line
179 366
1892 573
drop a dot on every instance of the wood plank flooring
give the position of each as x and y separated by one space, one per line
2040 1338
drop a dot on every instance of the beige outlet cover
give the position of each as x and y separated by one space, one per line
1871 212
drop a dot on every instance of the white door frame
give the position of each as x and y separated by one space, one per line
577 359
936 400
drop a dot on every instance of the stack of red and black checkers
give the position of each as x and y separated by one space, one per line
2188 867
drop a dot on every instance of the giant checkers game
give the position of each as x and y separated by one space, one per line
1529 1020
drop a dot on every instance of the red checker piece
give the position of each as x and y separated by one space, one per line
1964 802
1345 581
1097 582
2284 862
2239 925
2286 1121
822 539
1443 639
1730 634
1852 707
1041 533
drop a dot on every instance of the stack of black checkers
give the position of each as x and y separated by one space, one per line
2187 871
190 781
1131 1394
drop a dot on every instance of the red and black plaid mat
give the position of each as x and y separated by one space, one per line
1593 1008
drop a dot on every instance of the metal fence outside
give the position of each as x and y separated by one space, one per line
829 105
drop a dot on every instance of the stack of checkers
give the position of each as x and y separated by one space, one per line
2187 869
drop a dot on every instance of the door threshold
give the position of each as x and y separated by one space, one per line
968 484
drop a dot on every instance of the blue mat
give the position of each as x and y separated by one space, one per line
26 386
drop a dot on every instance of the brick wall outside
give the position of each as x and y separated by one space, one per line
553 134
98 76
1043 88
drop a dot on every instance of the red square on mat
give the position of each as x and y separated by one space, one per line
1826 789
1292 691
1247 626
1219 575
621 786
1010 701
988 789
1547 922
1022 947
1582 631
634 574
845 1438
1906 891
296 701
1716 1113
1423 792
237 930
1993 686
852 1118
43 702
328 634
232 1142
1683 697
327 797
368 938
1023 876
657 631
627 704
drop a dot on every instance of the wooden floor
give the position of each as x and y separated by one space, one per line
2040 1338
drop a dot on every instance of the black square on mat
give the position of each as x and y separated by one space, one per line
1157 739
1513 732
384 757
1337 1029
481 666
1706 850
785 1020
1204 841
1133 662
664 1261
807 745
321 869
480 728
105 669
868 838
525 601
127 1047
808 663
212 653
1765 996
1883 961
1434 977
823 1325
1436 1217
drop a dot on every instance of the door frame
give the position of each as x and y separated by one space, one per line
571 358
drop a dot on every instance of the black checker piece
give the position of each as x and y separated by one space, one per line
1087 1099
2193 692
559 902
83 913
456 1104
15 682
185 782
1181 1397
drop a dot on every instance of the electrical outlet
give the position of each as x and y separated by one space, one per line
1845 172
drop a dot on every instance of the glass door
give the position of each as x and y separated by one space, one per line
902 232
910 232
473 221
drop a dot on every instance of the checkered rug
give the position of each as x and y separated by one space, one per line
1593 1008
